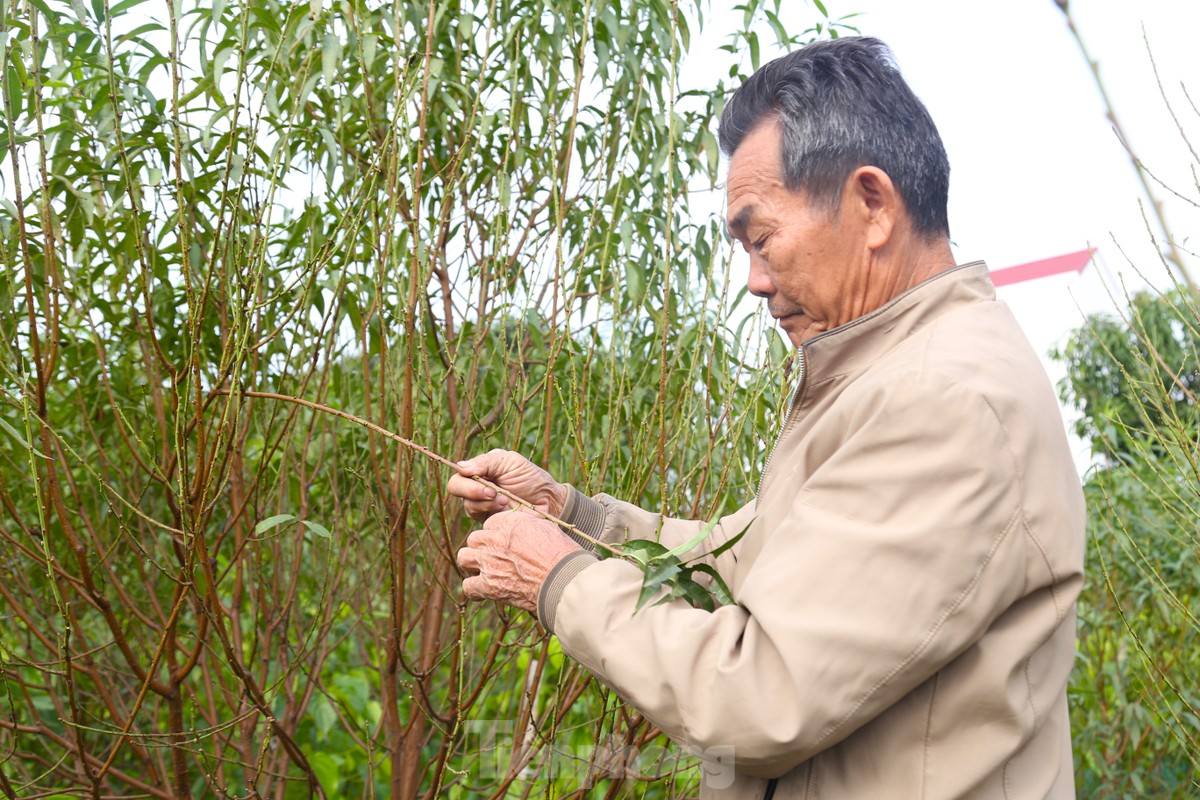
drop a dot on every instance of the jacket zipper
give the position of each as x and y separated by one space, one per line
787 415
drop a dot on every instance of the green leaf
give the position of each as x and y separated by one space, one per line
328 769
781 35
643 550
505 194
124 6
217 71
331 56
635 283
654 580
730 542
13 432
318 529
369 46
51 16
354 689
698 596
16 90
711 151
684 588
138 31
271 522
323 714
720 590
705 531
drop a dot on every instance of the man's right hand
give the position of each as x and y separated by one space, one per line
512 472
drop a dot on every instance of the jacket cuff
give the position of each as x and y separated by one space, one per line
585 514
556 582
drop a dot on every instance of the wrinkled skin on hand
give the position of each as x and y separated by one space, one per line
512 472
509 558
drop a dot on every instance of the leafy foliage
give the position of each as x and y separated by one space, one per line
1132 377
466 222
1135 697
669 577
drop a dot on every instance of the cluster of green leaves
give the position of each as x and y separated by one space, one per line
669 577
1135 376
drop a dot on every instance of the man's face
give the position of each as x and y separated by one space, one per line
808 263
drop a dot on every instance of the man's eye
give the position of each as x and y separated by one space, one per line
758 245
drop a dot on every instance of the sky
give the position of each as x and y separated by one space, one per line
1036 169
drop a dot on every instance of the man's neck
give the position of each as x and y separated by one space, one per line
916 259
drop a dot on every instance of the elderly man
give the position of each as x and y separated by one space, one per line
905 590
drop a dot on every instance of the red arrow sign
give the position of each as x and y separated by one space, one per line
1072 262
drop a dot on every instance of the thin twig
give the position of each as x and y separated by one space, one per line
425 451
1172 253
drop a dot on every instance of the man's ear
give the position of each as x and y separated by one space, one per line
874 199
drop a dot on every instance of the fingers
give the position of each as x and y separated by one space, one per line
492 464
475 466
473 588
469 489
476 585
509 558
468 559
508 521
480 511
488 539
512 473
494 536
480 501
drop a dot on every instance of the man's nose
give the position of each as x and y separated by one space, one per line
759 283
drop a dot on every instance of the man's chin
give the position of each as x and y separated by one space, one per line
799 329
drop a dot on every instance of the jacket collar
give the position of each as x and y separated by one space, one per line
852 347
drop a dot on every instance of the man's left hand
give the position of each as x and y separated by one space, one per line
509 559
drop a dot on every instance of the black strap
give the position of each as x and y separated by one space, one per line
771 788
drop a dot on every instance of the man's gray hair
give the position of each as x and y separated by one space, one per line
843 104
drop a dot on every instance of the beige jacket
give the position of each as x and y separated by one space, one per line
905 594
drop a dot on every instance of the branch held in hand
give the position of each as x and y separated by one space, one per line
410 444
661 568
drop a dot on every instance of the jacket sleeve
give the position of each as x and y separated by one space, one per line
893 557
612 521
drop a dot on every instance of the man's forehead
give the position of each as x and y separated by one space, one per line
755 171
760 152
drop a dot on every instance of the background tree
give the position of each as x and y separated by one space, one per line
1135 376
466 222
1133 379
1135 694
